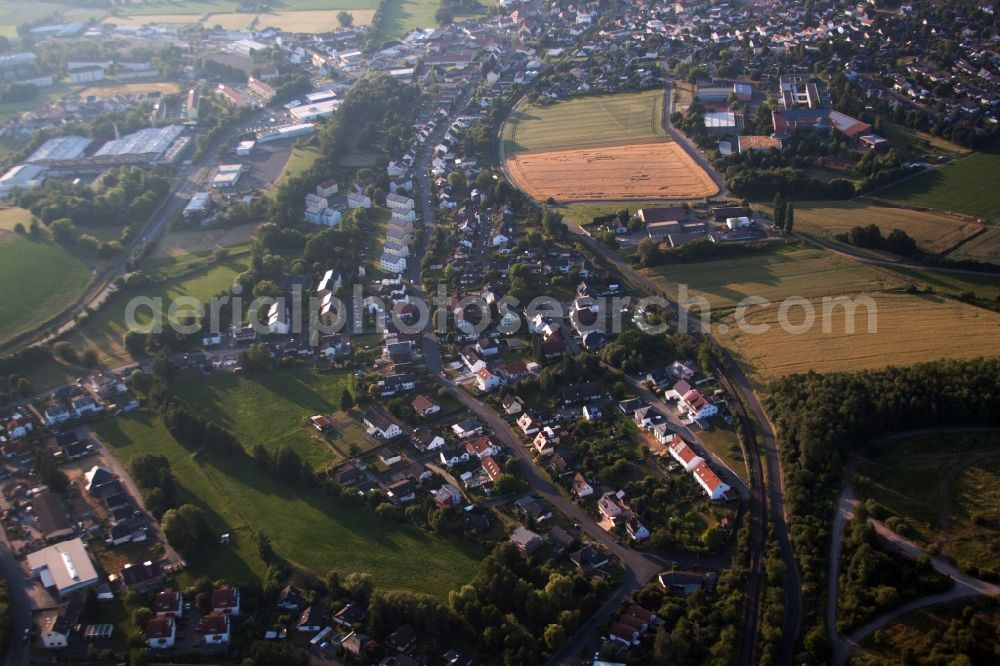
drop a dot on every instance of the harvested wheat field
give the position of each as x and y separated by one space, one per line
318 20
617 173
909 329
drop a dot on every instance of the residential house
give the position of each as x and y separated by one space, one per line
610 506
290 598
350 475
580 486
277 319
560 539
453 455
142 578
390 456
546 439
636 530
428 441
582 393
487 381
169 603
710 482
161 633
685 455
448 495
357 200
588 559
355 644
402 491
592 412
350 615
214 629
226 600
403 638
512 405
698 405
467 428
482 447
528 424
55 629
311 620
492 468
526 540
380 425
328 188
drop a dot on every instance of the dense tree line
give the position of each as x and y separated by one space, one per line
160 489
765 183
649 253
823 419
873 582
898 241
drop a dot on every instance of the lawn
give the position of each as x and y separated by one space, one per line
57 278
723 441
968 186
934 232
586 122
946 489
404 16
773 275
909 329
273 408
105 331
302 158
305 527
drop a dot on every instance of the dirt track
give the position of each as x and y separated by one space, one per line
639 171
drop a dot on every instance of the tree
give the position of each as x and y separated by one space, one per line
778 212
789 217
346 401
360 587
63 231
163 366
345 19
444 16
24 387
186 528
555 636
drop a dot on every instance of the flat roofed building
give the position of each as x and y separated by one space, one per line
60 148
65 566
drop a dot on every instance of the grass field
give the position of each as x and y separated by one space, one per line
311 21
946 489
985 285
909 329
968 186
773 275
404 16
934 232
307 528
57 278
586 122
185 241
273 409
302 158
105 331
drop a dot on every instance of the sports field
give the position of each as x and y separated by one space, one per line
40 278
586 122
273 409
108 90
968 186
773 275
909 329
305 527
934 232
946 489
600 148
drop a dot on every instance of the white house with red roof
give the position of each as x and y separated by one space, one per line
698 405
709 481
482 448
685 455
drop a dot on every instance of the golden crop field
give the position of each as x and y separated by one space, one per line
159 19
934 232
803 272
615 173
909 329
984 247
320 20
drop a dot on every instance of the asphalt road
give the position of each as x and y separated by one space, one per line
18 652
